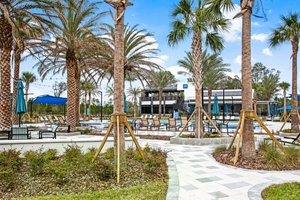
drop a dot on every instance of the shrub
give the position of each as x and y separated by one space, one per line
272 156
288 131
212 135
220 149
89 155
10 158
103 169
137 156
109 154
292 156
147 148
51 154
130 153
264 146
8 179
187 136
152 164
72 153
59 170
36 161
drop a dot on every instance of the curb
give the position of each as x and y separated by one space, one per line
173 188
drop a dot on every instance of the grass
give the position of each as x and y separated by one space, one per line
286 191
149 191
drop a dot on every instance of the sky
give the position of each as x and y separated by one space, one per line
155 16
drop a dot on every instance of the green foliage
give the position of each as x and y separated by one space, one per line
36 161
147 148
286 191
8 178
11 159
130 153
85 131
109 154
103 169
220 149
187 136
288 131
137 156
72 153
59 169
212 135
272 156
292 156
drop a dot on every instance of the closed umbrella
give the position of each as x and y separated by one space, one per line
215 110
125 104
21 104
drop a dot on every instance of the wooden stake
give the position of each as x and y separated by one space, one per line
103 142
285 121
235 133
118 149
187 122
240 138
211 121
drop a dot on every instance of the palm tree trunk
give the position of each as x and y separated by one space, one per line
197 78
294 112
72 90
6 48
84 106
255 101
248 145
90 105
160 92
209 94
119 138
284 104
134 106
77 78
17 55
26 92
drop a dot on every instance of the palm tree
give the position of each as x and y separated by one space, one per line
213 71
284 86
205 21
232 83
84 88
28 78
161 80
75 21
134 93
110 91
13 13
248 144
138 52
289 31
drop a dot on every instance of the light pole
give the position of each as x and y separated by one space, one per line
232 108
101 105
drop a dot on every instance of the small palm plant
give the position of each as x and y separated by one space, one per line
134 93
28 78
284 86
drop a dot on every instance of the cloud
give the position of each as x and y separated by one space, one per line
233 74
238 60
255 23
260 37
234 32
175 69
267 52
160 60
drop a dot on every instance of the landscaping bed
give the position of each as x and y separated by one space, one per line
267 158
46 173
285 191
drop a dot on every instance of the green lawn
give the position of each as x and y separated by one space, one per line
286 191
150 191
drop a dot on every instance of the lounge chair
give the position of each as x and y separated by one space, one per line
19 133
172 124
144 123
157 124
61 121
48 133
295 140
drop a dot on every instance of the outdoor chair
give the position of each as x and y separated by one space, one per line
184 121
295 140
172 124
157 124
20 133
50 120
61 121
144 123
48 133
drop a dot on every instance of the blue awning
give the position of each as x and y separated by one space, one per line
287 108
47 99
298 96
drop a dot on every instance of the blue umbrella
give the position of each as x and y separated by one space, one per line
226 109
215 110
21 104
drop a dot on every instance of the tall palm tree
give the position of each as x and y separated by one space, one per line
248 144
213 71
92 91
75 21
11 14
161 80
28 78
84 88
134 93
289 31
284 86
205 21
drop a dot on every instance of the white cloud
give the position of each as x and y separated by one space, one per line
267 52
255 23
175 69
160 60
233 74
235 28
260 37
238 60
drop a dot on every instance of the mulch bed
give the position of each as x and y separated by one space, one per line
257 164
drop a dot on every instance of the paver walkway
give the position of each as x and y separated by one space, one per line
201 177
